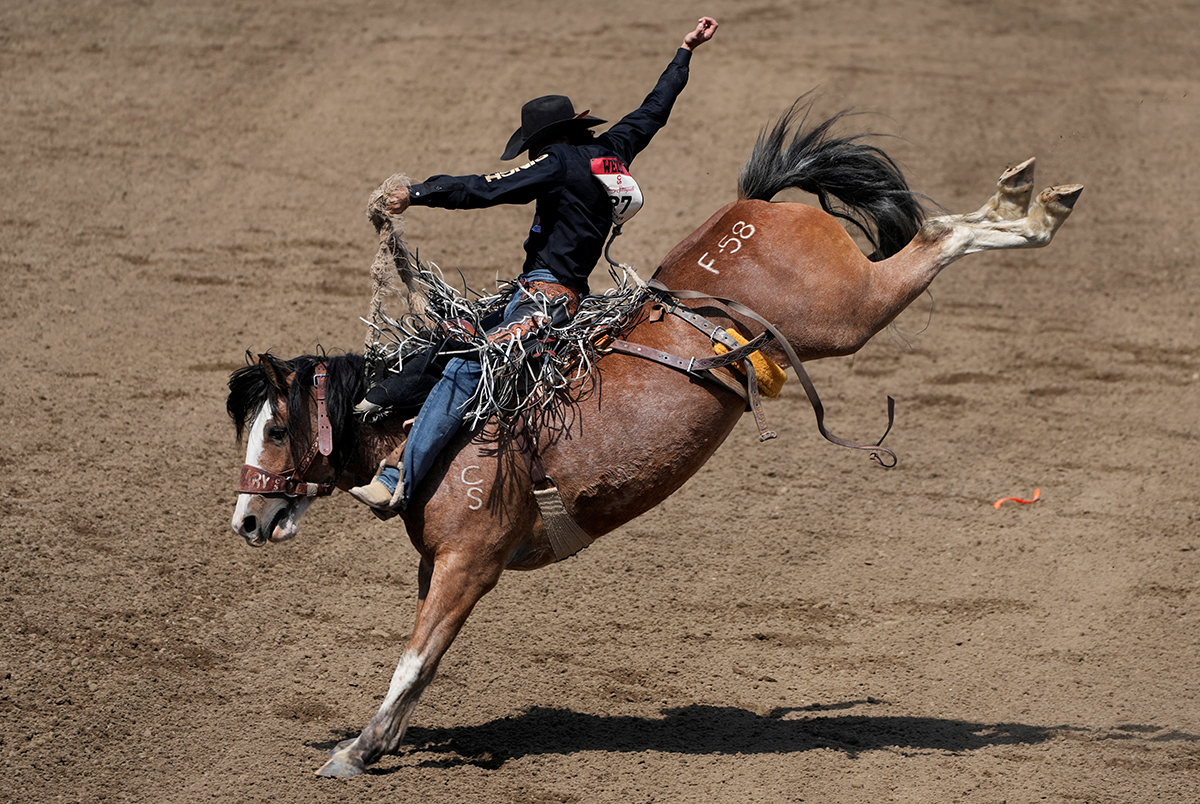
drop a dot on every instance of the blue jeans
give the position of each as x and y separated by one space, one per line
446 406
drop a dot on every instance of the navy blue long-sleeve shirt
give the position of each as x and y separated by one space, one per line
573 214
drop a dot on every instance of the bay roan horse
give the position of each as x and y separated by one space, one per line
622 452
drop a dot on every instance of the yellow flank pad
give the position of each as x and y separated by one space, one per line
770 375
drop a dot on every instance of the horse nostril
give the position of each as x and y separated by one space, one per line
250 525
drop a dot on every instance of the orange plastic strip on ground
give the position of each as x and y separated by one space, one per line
1037 493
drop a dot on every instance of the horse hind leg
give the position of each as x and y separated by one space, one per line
1012 218
1008 220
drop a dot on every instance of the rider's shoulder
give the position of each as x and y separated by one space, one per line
563 160
560 151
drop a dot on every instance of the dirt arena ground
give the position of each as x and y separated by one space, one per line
183 181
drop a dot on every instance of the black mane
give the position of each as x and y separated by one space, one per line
853 181
251 386
249 389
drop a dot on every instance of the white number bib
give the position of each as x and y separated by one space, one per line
622 190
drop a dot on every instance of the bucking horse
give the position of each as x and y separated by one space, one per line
786 277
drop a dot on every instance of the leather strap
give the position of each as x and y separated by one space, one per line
715 333
254 480
718 334
760 419
323 443
691 365
562 531
876 450
324 431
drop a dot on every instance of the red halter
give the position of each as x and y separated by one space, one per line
292 483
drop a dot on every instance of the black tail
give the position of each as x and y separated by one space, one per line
854 181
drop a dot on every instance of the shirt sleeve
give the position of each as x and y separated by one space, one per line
634 131
517 186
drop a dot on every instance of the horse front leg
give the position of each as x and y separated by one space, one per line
450 587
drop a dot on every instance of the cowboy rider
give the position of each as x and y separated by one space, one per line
574 214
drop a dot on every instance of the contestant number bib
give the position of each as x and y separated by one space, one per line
622 190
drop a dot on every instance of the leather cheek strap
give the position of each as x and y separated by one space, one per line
324 430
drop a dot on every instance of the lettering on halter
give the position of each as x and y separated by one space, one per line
732 242
255 480
474 492
491 177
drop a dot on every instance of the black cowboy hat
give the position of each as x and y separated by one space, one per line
543 118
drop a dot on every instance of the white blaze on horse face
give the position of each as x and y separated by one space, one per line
256 439
262 511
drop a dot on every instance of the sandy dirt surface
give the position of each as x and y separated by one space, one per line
183 181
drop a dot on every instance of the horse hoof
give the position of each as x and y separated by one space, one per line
342 766
1014 191
1064 195
1018 175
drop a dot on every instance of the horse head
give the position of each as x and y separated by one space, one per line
283 406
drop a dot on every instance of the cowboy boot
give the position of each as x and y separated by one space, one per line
384 502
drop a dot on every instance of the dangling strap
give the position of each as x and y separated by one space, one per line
324 430
760 419
720 335
562 531
876 450
703 366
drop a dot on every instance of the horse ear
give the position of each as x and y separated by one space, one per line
271 368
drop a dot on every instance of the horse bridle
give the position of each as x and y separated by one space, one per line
291 482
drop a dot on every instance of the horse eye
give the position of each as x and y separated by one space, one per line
276 433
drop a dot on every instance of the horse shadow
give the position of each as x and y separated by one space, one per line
702 729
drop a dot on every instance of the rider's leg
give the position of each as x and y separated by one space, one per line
446 406
439 419
400 393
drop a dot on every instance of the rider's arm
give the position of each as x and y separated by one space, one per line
634 131
517 186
